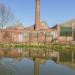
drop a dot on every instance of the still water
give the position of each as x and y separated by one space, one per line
26 66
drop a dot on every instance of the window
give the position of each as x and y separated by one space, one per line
48 34
65 31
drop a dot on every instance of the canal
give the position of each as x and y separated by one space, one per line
20 61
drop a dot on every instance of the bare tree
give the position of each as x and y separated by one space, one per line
6 16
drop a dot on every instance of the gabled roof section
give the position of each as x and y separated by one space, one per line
69 23
54 27
18 26
32 27
44 25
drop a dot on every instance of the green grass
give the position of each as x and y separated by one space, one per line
57 47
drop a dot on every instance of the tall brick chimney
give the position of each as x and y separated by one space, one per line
37 14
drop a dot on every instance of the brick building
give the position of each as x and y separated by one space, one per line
66 31
20 33
40 32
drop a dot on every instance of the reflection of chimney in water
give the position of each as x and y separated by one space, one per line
36 67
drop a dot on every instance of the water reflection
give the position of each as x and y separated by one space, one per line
27 62
7 66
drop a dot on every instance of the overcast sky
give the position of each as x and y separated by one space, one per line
52 11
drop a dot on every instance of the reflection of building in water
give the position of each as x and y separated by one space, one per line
40 60
37 62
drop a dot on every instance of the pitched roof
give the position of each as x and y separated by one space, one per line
69 23
16 27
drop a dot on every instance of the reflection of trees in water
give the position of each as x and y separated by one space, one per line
7 67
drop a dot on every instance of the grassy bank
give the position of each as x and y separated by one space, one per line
45 46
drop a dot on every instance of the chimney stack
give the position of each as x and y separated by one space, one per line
37 14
